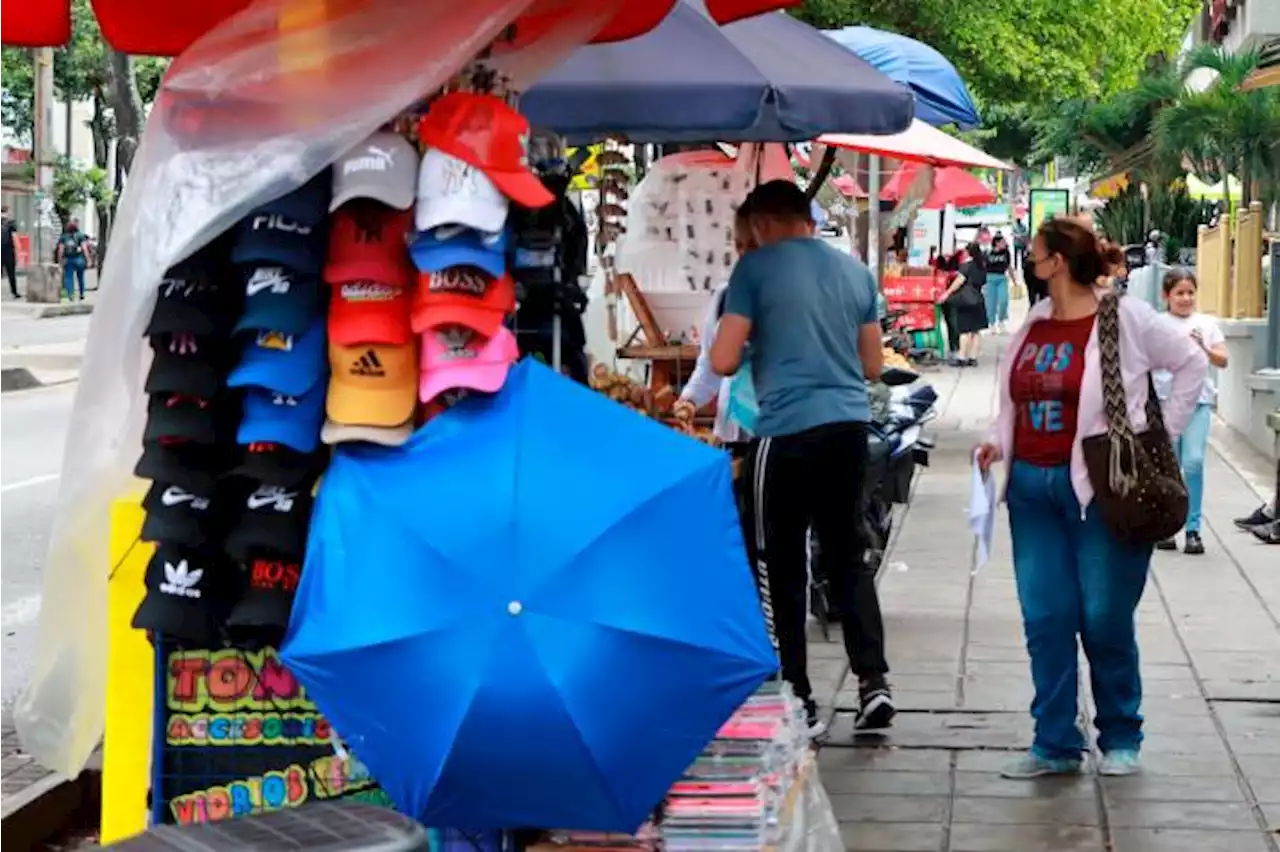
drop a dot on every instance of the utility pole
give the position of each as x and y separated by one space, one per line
43 144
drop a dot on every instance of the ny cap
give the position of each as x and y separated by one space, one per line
455 357
274 417
187 364
286 363
462 295
368 242
486 132
456 245
186 418
279 299
382 168
452 192
369 312
373 384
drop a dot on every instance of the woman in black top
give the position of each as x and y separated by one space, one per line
964 301
996 291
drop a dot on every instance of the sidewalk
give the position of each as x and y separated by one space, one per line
1210 639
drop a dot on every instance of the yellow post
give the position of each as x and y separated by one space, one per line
1248 262
1210 288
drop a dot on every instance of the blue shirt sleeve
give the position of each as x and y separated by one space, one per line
740 298
865 284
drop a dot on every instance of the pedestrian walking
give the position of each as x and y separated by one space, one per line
1264 521
810 315
1077 581
996 290
75 252
1019 244
9 249
966 303
1180 288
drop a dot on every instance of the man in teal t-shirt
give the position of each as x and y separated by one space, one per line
810 315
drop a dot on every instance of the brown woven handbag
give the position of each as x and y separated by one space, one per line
1136 478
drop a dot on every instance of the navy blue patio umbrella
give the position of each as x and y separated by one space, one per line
941 95
765 79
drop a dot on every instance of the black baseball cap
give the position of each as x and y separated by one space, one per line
198 295
279 299
184 363
276 464
189 594
177 515
273 518
195 467
288 231
190 418
271 580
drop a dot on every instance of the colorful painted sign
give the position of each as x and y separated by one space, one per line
241 736
1046 204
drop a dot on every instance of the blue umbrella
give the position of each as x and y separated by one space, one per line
536 613
765 79
941 95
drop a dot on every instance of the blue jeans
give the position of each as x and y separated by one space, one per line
1075 579
73 269
1191 447
996 294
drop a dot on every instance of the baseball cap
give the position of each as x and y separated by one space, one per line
457 357
186 364
176 514
275 518
271 582
369 312
279 299
451 192
462 295
382 167
287 231
186 464
192 301
287 363
387 436
174 415
367 242
486 132
189 592
456 245
278 418
372 384
277 464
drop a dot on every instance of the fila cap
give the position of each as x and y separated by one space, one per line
369 312
462 295
455 357
287 231
484 131
286 363
456 245
382 168
452 192
368 241
372 384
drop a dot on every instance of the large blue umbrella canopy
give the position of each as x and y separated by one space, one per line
941 95
535 613
769 78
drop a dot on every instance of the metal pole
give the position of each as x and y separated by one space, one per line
43 139
874 258
1273 308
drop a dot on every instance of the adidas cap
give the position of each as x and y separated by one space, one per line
189 594
372 384
454 357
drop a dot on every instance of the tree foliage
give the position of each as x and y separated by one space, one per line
75 184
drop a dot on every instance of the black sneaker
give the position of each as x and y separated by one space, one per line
815 724
1193 545
877 711
1167 544
1260 516
1267 533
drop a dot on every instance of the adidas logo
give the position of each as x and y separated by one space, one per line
369 365
175 496
273 278
459 279
374 159
278 498
456 343
368 291
180 581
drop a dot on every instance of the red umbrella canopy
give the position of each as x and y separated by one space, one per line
158 28
951 185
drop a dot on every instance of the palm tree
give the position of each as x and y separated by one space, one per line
1221 129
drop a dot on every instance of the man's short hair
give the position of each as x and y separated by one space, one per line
781 199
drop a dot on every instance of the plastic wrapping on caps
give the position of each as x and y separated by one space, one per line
251 111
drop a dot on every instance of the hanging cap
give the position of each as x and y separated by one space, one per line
368 242
453 192
382 167
372 384
456 357
462 295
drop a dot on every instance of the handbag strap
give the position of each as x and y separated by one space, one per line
1121 477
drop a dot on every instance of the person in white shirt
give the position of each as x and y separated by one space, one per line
704 384
1180 290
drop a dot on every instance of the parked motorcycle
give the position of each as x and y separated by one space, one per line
897 444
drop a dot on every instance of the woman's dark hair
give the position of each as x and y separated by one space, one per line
1112 256
976 255
1176 276
1077 246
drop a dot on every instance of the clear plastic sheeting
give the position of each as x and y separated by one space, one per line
251 111
812 826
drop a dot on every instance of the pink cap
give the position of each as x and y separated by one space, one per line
456 357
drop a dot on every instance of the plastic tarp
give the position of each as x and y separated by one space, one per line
920 144
251 111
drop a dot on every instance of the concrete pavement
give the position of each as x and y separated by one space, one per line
1210 640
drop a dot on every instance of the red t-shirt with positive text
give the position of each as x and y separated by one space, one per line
1045 386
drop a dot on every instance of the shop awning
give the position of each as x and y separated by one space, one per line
920 143
951 185
158 28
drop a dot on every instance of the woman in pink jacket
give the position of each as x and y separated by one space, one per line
1074 578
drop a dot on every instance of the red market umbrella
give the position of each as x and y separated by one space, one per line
848 187
950 186
158 28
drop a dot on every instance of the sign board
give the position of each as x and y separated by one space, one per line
1046 204
236 734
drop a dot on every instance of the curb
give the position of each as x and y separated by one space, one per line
36 310
50 806
17 379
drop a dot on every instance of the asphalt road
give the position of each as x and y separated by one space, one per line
17 331
33 429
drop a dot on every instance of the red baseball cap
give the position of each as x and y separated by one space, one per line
483 131
369 312
368 242
462 295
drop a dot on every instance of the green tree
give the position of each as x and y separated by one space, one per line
75 184
17 107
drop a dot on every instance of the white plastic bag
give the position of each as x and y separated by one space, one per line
251 111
